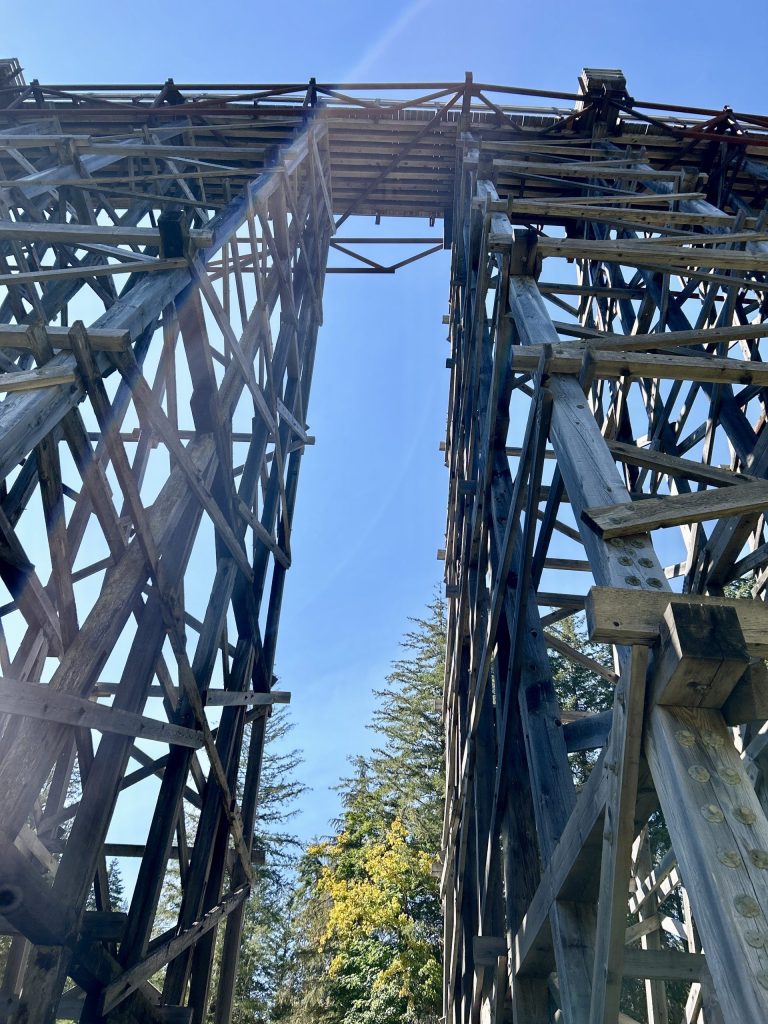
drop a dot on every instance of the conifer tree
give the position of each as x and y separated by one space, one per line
367 910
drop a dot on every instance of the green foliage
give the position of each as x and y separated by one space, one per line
266 944
577 687
366 917
266 948
116 886
115 889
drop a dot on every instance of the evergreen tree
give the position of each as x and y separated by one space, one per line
266 947
115 889
366 917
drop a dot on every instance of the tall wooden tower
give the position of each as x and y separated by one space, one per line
163 251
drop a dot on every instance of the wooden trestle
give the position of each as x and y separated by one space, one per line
162 257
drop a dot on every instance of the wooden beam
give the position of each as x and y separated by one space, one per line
641 517
104 340
231 698
53 232
41 701
673 466
623 756
129 980
612 365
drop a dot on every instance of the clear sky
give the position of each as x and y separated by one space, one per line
370 512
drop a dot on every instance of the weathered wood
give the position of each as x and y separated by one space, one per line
33 700
617 616
641 517
674 466
229 698
27 903
729 825
122 987
613 365
581 828
19 336
664 964
701 655
623 755
748 701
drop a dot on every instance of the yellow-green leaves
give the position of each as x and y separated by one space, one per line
377 890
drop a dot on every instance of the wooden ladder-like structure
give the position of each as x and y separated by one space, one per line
163 252
570 442
181 413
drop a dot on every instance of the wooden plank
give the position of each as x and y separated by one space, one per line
672 339
130 979
664 964
231 698
614 170
695 765
633 216
31 380
53 232
674 466
105 340
576 656
620 616
77 273
623 756
656 513
612 365
38 700
642 253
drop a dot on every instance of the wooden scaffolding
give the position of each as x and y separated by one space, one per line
162 257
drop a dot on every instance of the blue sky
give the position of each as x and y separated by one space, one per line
370 513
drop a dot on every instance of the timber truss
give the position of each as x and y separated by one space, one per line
162 257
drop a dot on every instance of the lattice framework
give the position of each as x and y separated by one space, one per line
606 322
